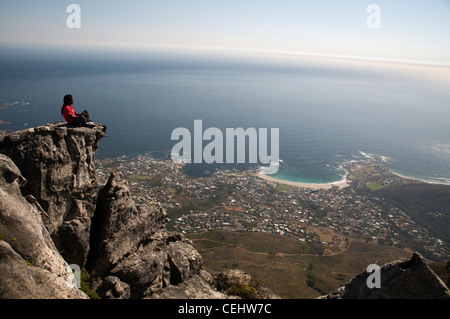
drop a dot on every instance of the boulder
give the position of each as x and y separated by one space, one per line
239 283
402 279
119 227
164 259
184 260
193 288
113 288
147 270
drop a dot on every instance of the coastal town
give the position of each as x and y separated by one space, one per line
242 201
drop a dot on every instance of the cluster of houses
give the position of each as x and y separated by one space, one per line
240 201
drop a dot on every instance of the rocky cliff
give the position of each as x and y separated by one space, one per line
53 213
58 164
30 264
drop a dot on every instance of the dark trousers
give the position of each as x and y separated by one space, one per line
81 120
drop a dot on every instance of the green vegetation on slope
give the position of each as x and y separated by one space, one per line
428 204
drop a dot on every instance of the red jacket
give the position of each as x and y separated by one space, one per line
69 113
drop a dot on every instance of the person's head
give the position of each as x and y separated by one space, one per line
68 100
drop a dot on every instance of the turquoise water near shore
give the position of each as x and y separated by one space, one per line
329 112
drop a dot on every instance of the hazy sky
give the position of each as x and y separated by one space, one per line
409 30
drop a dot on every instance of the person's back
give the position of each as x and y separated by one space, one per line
68 113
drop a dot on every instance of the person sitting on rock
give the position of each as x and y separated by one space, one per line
73 118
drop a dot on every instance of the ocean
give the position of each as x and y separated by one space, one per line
328 111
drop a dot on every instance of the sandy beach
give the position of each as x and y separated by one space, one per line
341 184
405 177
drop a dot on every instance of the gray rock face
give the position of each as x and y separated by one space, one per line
132 244
59 164
30 264
113 288
402 279
193 288
184 260
26 281
119 227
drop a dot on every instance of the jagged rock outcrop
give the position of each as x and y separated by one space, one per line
402 279
166 259
30 264
132 244
118 226
59 164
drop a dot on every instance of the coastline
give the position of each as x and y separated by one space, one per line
406 177
415 179
341 184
